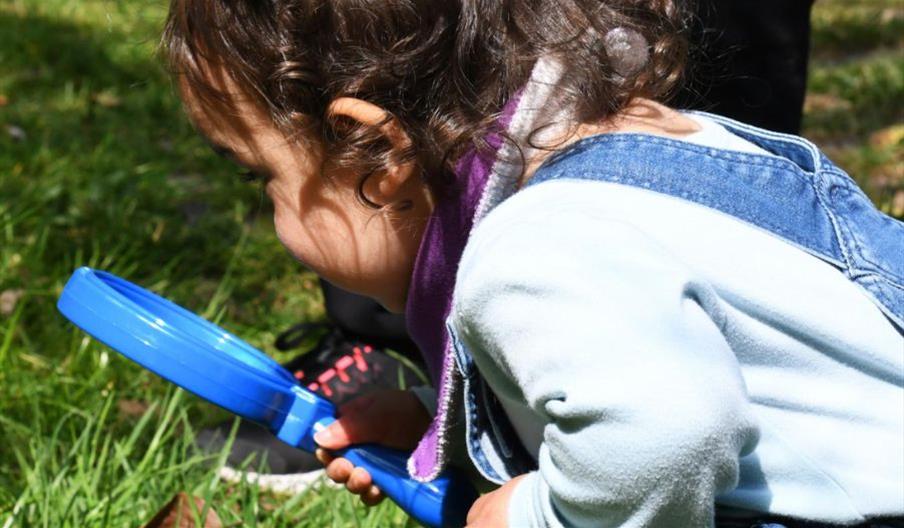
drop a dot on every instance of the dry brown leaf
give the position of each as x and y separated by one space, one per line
107 99
889 15
4 100
132 407
179 513
16 133
9 299
888 137
897 205
817 102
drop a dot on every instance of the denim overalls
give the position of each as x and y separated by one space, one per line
797 194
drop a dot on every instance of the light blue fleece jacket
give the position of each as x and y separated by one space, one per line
653 373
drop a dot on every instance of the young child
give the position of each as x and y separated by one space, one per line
644 317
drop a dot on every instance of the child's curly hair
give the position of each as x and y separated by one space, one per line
443 69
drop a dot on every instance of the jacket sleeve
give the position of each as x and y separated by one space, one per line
617 346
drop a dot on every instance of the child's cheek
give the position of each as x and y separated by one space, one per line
287 222
289 233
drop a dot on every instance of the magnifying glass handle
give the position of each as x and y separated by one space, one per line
442 502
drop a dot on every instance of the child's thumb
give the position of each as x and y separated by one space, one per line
347 430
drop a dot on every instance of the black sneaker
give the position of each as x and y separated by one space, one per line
338 368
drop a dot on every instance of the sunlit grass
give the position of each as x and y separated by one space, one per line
98 167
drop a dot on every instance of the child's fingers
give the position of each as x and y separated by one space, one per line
323 456
359 482
372 496
339 470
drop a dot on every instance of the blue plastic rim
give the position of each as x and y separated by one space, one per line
204 359
179 346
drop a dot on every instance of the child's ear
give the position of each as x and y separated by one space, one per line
390 181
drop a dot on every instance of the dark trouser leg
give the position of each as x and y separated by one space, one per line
750 61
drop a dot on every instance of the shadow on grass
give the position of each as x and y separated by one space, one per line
38 53
105 158
107 172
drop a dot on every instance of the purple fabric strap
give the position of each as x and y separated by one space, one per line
430 292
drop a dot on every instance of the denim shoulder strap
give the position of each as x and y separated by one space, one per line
796 194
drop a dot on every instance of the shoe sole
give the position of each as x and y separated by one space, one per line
289 484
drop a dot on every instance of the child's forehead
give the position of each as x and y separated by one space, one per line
221 114
238 131
213 125
211 107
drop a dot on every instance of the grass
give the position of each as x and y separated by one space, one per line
98 167
854 108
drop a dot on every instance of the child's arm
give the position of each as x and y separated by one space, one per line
616 345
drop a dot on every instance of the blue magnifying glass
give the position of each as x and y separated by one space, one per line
210 362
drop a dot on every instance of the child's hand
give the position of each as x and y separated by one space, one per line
392 418
491 509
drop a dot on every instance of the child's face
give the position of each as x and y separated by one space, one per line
322 224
